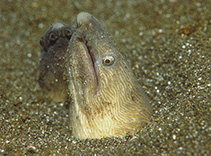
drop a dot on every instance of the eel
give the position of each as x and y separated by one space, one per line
107 99
54 45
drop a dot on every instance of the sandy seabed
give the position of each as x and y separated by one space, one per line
167 42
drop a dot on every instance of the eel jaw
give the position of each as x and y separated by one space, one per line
91 28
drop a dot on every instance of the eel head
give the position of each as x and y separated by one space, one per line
107 100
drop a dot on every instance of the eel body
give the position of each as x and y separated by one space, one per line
107 100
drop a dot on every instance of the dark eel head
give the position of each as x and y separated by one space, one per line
54 45
107 100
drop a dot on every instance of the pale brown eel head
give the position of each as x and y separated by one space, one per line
107 100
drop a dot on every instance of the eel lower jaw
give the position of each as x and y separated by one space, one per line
85 68
88 23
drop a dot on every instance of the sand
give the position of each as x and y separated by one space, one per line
168 44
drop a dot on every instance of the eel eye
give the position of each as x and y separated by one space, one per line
108 60
52 37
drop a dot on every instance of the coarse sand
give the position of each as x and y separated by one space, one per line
167 42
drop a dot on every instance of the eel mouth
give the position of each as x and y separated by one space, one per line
94 65
84 69
86 23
